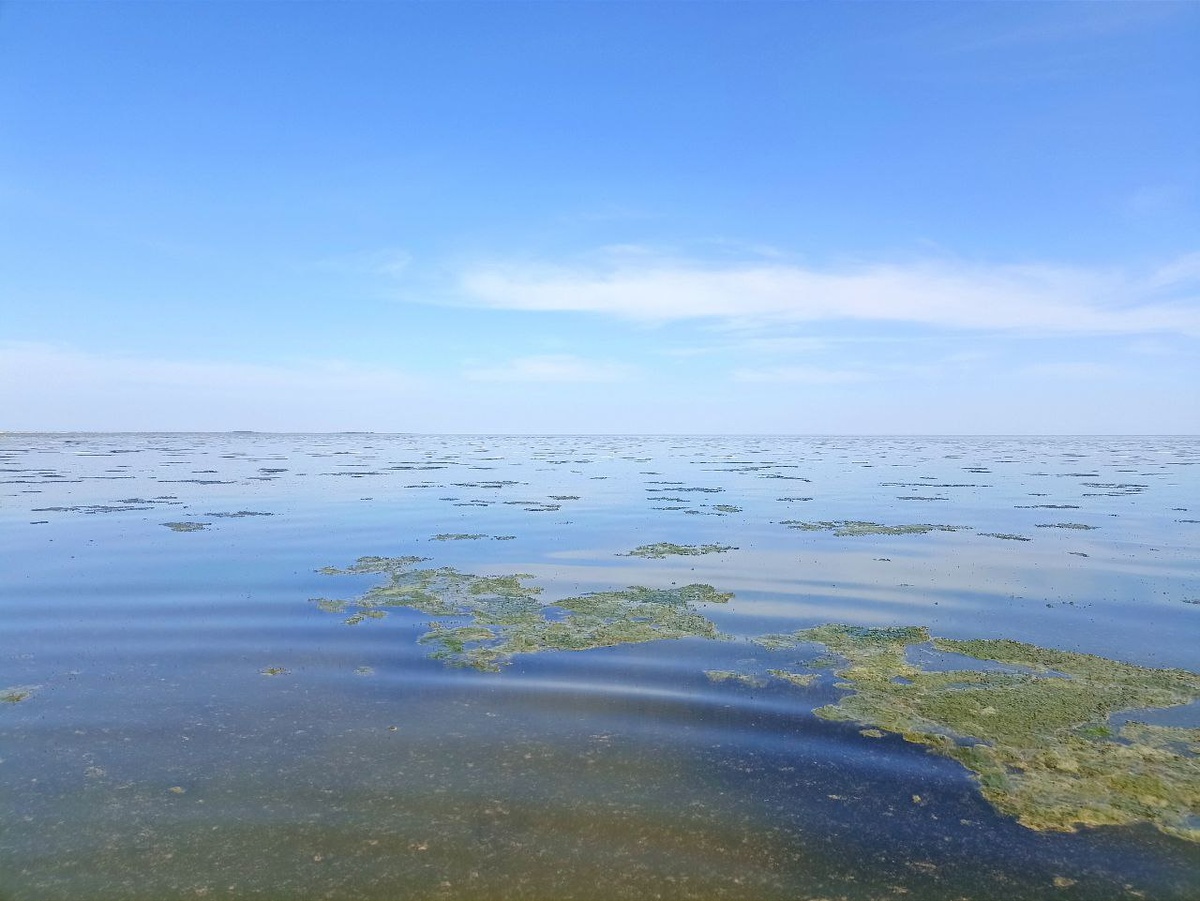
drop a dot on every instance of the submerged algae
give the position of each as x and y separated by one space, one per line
1034 735
506 616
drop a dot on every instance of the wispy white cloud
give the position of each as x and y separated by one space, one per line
48 386
389 262
1184 270
1083 370
1155 201
806 375
1033 298
553 368
1057 24
25 360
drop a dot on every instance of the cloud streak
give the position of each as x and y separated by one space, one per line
48 386
1027 298
802 375
552 368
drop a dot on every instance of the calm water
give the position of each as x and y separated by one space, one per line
155 758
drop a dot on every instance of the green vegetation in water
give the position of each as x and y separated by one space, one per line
855 527
724 675
275 671
470 536
1036 735
801 680
1065 525
535 506
187 526
1005 535
16 695
505 617
667 549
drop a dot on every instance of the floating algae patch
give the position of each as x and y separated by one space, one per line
855 527
535 506
505 617
667 549
17 694
1037 735
187 526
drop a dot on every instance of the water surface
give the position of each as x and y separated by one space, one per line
192 724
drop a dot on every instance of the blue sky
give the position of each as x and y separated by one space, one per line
600 217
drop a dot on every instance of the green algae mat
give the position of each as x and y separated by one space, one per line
1037 738
1035 735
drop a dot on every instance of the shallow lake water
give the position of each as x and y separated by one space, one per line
189 714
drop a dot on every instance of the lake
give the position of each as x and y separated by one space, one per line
364 666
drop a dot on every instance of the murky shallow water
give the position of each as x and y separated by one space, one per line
155 758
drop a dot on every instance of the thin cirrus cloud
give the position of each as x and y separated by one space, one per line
50 386
1034 298
801 375
1086 371
553 368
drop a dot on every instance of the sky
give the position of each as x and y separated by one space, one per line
600 217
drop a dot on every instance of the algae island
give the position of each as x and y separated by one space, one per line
669 549
1031 723
505 617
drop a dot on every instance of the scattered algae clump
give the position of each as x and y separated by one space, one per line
187 526
504 616
854 527
667 549
724 675
1033 730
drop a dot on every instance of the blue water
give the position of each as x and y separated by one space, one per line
153 759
